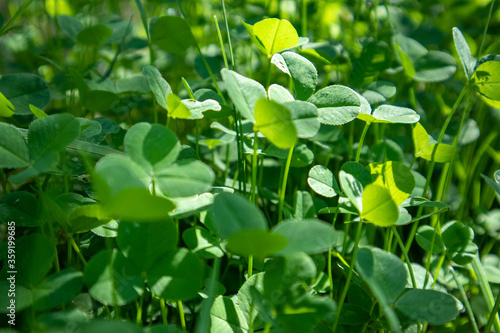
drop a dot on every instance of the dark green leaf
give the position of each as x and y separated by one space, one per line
301 70
13 149
57 289
310 236
24 89
244 92
177 275
336 104
94 35
172 34
431 306
112 279
232 213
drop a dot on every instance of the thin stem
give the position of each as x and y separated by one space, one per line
361 140
163 310
485 290
413 231
209 70
468 308
250 265
3 179
181 315
304 17
330 273
407 258
221 42
254 168
480 51
283 184
77 250
231 54
349 276
492 316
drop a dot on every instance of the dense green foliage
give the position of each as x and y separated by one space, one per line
242 166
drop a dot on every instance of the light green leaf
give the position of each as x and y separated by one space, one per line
379 91
423 148
301 70
231 213
159 86
352 188
39 113
304 117
395 177
279 94
172 34
244 92
486 78
275 122
463 50
177 109
274 35
6 107
259 243
13 149
431 306
395 114
435 66
322 181
336 104
196 108
310 236
378 206
406 61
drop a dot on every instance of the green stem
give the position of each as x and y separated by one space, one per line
268 78
231 54
3 179
330 273
349 276
304 17
361 140
283 184
407 258
254 168
430 171
221 42
250 266
480 51
492 317
209 70
468 308
163 310
77 250
181 315
139 308
485 290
